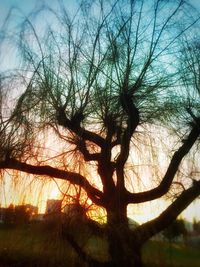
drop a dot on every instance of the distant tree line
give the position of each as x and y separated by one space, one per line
175 230
16 215
196 226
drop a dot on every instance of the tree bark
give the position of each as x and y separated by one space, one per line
123 248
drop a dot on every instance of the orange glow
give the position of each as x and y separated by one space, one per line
54 193
30 190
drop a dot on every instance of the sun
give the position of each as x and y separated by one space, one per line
54 193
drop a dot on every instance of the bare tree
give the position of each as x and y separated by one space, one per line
98 77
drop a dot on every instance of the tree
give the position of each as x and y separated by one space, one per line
9 216
176 229
196 226
16 215
22 215
97 82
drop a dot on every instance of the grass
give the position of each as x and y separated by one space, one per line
156 254
37 245
34 246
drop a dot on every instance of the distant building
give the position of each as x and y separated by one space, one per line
53 206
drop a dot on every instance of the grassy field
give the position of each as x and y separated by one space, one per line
156 254
34 246
38 246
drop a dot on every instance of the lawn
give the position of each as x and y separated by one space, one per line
37 245
156 254
34 246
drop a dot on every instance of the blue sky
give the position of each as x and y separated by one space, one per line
25 5
21 8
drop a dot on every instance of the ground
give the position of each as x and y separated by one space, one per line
36 245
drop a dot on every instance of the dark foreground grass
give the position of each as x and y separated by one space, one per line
34 245
156 254
37 245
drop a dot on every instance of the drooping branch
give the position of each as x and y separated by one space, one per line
94 194
167 180
158 224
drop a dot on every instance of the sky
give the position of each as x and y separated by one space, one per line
26 6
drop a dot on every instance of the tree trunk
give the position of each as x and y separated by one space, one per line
123 247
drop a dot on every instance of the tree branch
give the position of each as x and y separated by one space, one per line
132 122
81 145
93 193
77 129
170 173
148 229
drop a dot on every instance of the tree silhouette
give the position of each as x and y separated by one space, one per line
97 81
176 229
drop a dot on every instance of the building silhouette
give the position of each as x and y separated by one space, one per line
53 206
